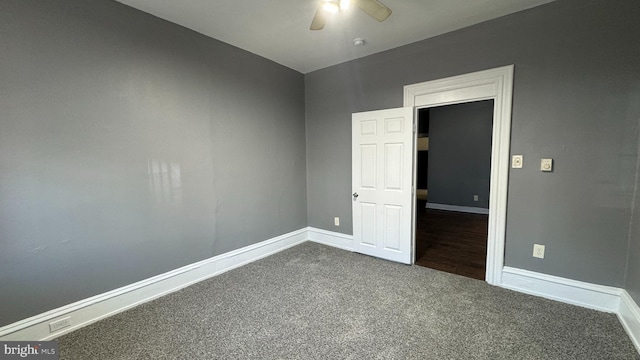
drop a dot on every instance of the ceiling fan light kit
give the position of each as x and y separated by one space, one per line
373 8
331 6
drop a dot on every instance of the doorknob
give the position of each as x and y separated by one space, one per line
355 196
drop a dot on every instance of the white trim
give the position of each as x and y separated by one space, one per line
458 208
90 310
629 315
330 238
496 84
87 311
592 296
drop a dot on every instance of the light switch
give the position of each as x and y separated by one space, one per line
516 161
546 165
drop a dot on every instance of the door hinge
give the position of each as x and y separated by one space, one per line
415 127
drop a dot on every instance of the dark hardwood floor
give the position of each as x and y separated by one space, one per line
451 241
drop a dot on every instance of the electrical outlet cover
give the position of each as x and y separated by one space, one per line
517 161
59 324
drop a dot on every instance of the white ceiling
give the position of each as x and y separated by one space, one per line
279 29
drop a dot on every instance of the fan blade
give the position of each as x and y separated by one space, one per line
318 20
374 8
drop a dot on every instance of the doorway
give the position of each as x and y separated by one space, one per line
452 197
497 85
379 169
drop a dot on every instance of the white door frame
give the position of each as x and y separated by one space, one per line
497 85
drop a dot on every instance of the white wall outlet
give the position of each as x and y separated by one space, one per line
538 251
475 197
546 165
59 324
516 161
336 221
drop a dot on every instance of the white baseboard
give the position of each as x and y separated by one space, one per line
465 209
598 297
629 315
330 238
592 296
87 311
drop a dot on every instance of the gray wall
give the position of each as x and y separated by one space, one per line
93 94
632 281
576 82
460 154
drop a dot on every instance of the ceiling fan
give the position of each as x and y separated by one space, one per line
373 8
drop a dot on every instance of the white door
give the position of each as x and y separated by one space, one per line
382 163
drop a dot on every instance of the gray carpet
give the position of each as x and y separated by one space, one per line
316 302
